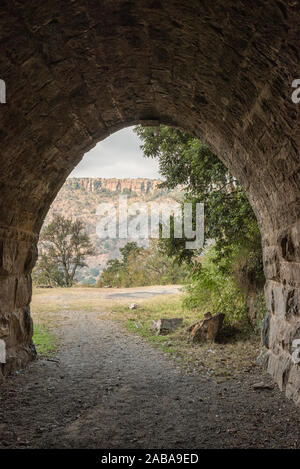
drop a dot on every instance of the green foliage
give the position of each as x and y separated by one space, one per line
47 272
183 160
174 247
130 251
140 267
229 218
213 290
63 247
235 264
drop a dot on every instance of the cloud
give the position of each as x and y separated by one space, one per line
117 156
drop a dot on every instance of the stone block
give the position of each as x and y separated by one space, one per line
23 291
290 273
271 262
275 298
208 328
293 384
279 368
7 294
166 325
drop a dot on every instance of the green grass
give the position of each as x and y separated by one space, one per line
140 320
45 342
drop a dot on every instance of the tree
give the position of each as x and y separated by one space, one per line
130 250
64 244
46 272
229 218
141 266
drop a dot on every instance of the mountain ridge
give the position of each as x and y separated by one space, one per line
136 185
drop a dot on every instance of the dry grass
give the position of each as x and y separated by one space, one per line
45 300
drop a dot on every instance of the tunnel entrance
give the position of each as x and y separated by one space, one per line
76 73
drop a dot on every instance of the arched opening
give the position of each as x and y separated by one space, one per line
78 73
80 198
113 170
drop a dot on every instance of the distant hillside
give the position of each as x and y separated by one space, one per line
80 197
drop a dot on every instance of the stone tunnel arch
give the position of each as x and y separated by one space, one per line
77 71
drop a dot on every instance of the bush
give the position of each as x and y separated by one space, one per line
215 291
140 267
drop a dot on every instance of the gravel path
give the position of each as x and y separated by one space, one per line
111 389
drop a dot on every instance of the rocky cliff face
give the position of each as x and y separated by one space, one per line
138 186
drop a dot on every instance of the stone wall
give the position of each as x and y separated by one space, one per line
18 254
282 292
77 71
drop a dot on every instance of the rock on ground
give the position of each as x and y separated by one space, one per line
208 328
165 326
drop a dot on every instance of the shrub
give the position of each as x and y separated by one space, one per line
215 291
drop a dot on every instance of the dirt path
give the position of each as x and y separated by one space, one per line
111 389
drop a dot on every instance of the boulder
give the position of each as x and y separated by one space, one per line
205 316
133 306
165 326
207 329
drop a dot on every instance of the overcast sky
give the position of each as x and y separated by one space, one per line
117 156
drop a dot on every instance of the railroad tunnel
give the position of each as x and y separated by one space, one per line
77 71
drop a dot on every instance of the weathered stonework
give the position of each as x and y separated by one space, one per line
77 71
18 255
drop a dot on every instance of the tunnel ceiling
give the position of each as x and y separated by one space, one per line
77 71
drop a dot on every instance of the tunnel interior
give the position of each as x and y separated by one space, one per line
77 72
